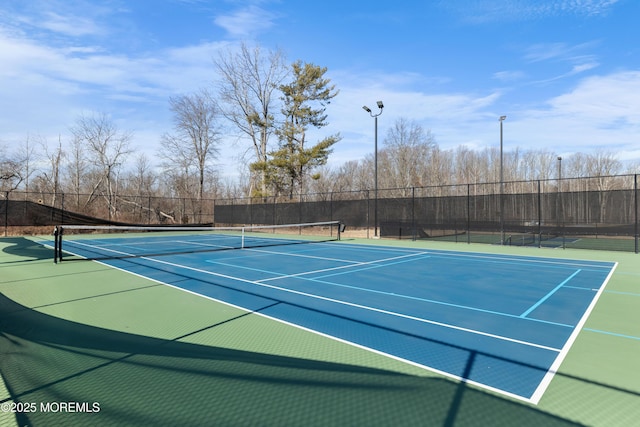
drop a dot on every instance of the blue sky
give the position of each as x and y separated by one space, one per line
566 73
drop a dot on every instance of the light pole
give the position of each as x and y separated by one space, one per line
558 201
559 173
502 118
375 165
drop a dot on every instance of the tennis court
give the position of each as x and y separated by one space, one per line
501 323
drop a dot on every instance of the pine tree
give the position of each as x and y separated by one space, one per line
305 100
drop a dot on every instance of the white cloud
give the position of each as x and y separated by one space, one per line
177 69
246 22
481 12
453 118
69 25
509 76
574 56
54 18
559 52
46 87
582 7
583 67
600 112
603 99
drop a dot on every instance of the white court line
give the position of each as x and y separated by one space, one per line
297 254
480 255
542 387
549 294
355 264
360 306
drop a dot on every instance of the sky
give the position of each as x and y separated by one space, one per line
566 73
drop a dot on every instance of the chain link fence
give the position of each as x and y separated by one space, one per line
593 212
30 212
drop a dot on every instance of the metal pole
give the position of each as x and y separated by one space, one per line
468 213
368 213
559 212
414 231
375 200
6 213
635 202
501 186
539 214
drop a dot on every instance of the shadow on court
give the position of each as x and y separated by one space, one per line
139 380
26 249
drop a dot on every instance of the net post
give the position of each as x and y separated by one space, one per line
55 244
242 244
60 234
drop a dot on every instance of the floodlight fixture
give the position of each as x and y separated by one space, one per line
367 109
380 105
502 118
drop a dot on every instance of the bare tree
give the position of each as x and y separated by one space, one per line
27 156
440 169
470 166
11 174
76 170
143 179
407 154
51 177
249 80
350 176
196 136
602 165
139 185
108 147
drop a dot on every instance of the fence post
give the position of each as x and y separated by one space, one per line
213 212
635 202
468 213
331 206
539 215
300 221
368 209
62 208
6 213
233 208
414 230
275 211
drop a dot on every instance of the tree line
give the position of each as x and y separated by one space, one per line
272 106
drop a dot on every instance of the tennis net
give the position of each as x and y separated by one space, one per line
75 242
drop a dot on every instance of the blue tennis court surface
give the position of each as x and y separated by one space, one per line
500 322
